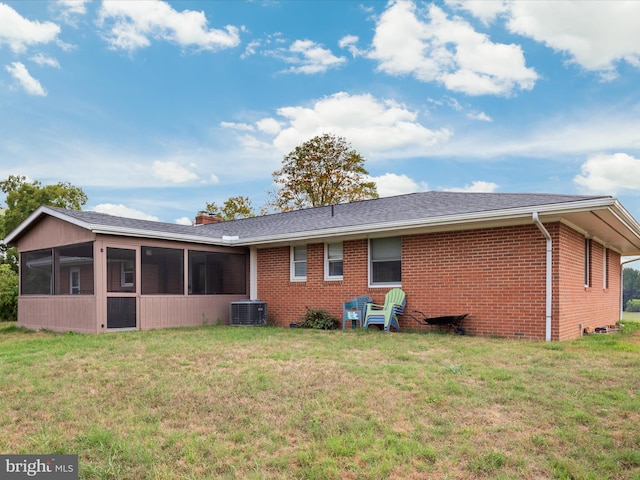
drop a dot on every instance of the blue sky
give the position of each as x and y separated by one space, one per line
154 108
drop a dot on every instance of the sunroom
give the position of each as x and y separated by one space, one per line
73 278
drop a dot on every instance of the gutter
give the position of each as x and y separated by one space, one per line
622 264
549 277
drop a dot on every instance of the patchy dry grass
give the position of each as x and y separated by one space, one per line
267 403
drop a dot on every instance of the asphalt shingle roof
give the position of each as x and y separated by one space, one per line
415 206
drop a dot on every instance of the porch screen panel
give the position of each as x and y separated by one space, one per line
74 269
212 273
36 272
121 312
121 270
386 260
162 271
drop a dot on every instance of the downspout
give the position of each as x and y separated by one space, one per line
622 264
253 273
549 274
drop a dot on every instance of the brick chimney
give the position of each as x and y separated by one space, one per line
206 218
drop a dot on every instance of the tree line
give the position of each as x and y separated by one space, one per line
631 289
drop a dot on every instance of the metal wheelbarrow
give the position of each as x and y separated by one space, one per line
450 321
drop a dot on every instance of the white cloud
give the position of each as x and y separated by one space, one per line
132 24
390 184
172 172
122 211
350 43
250 49
486 11
595 35
568 133
448 102
72 10
243 127
45 60
308 57
77 7
609 173
184 221
373 126
434 48
269 125
20 33
477 186
21 75
483 117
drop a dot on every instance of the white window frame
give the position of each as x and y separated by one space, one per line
293 263
328 261
370 266
587 262
74 289
124 271
605 268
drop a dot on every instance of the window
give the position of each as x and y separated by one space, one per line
127 273
333 261
74 281
299 263
587 262
58 271
605 268
162 271
212 273
385 266
121 270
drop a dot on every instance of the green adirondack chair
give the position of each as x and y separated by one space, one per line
387 314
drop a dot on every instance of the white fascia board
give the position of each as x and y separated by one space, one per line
506 215
140 233
623 215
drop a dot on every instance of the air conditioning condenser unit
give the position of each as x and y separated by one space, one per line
248 312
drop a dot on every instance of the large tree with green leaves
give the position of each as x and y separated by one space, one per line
322 171
8 293
631 284
23 197
233 209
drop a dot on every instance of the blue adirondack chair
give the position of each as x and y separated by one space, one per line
387 314
353 310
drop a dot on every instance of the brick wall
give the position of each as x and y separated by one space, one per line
497 275
578 305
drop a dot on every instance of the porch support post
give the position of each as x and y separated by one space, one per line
253 273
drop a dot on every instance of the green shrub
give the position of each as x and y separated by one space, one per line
633 305
8 293
318 319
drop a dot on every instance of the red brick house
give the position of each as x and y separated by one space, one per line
534 266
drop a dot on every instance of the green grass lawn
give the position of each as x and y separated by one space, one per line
631 316
269 403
